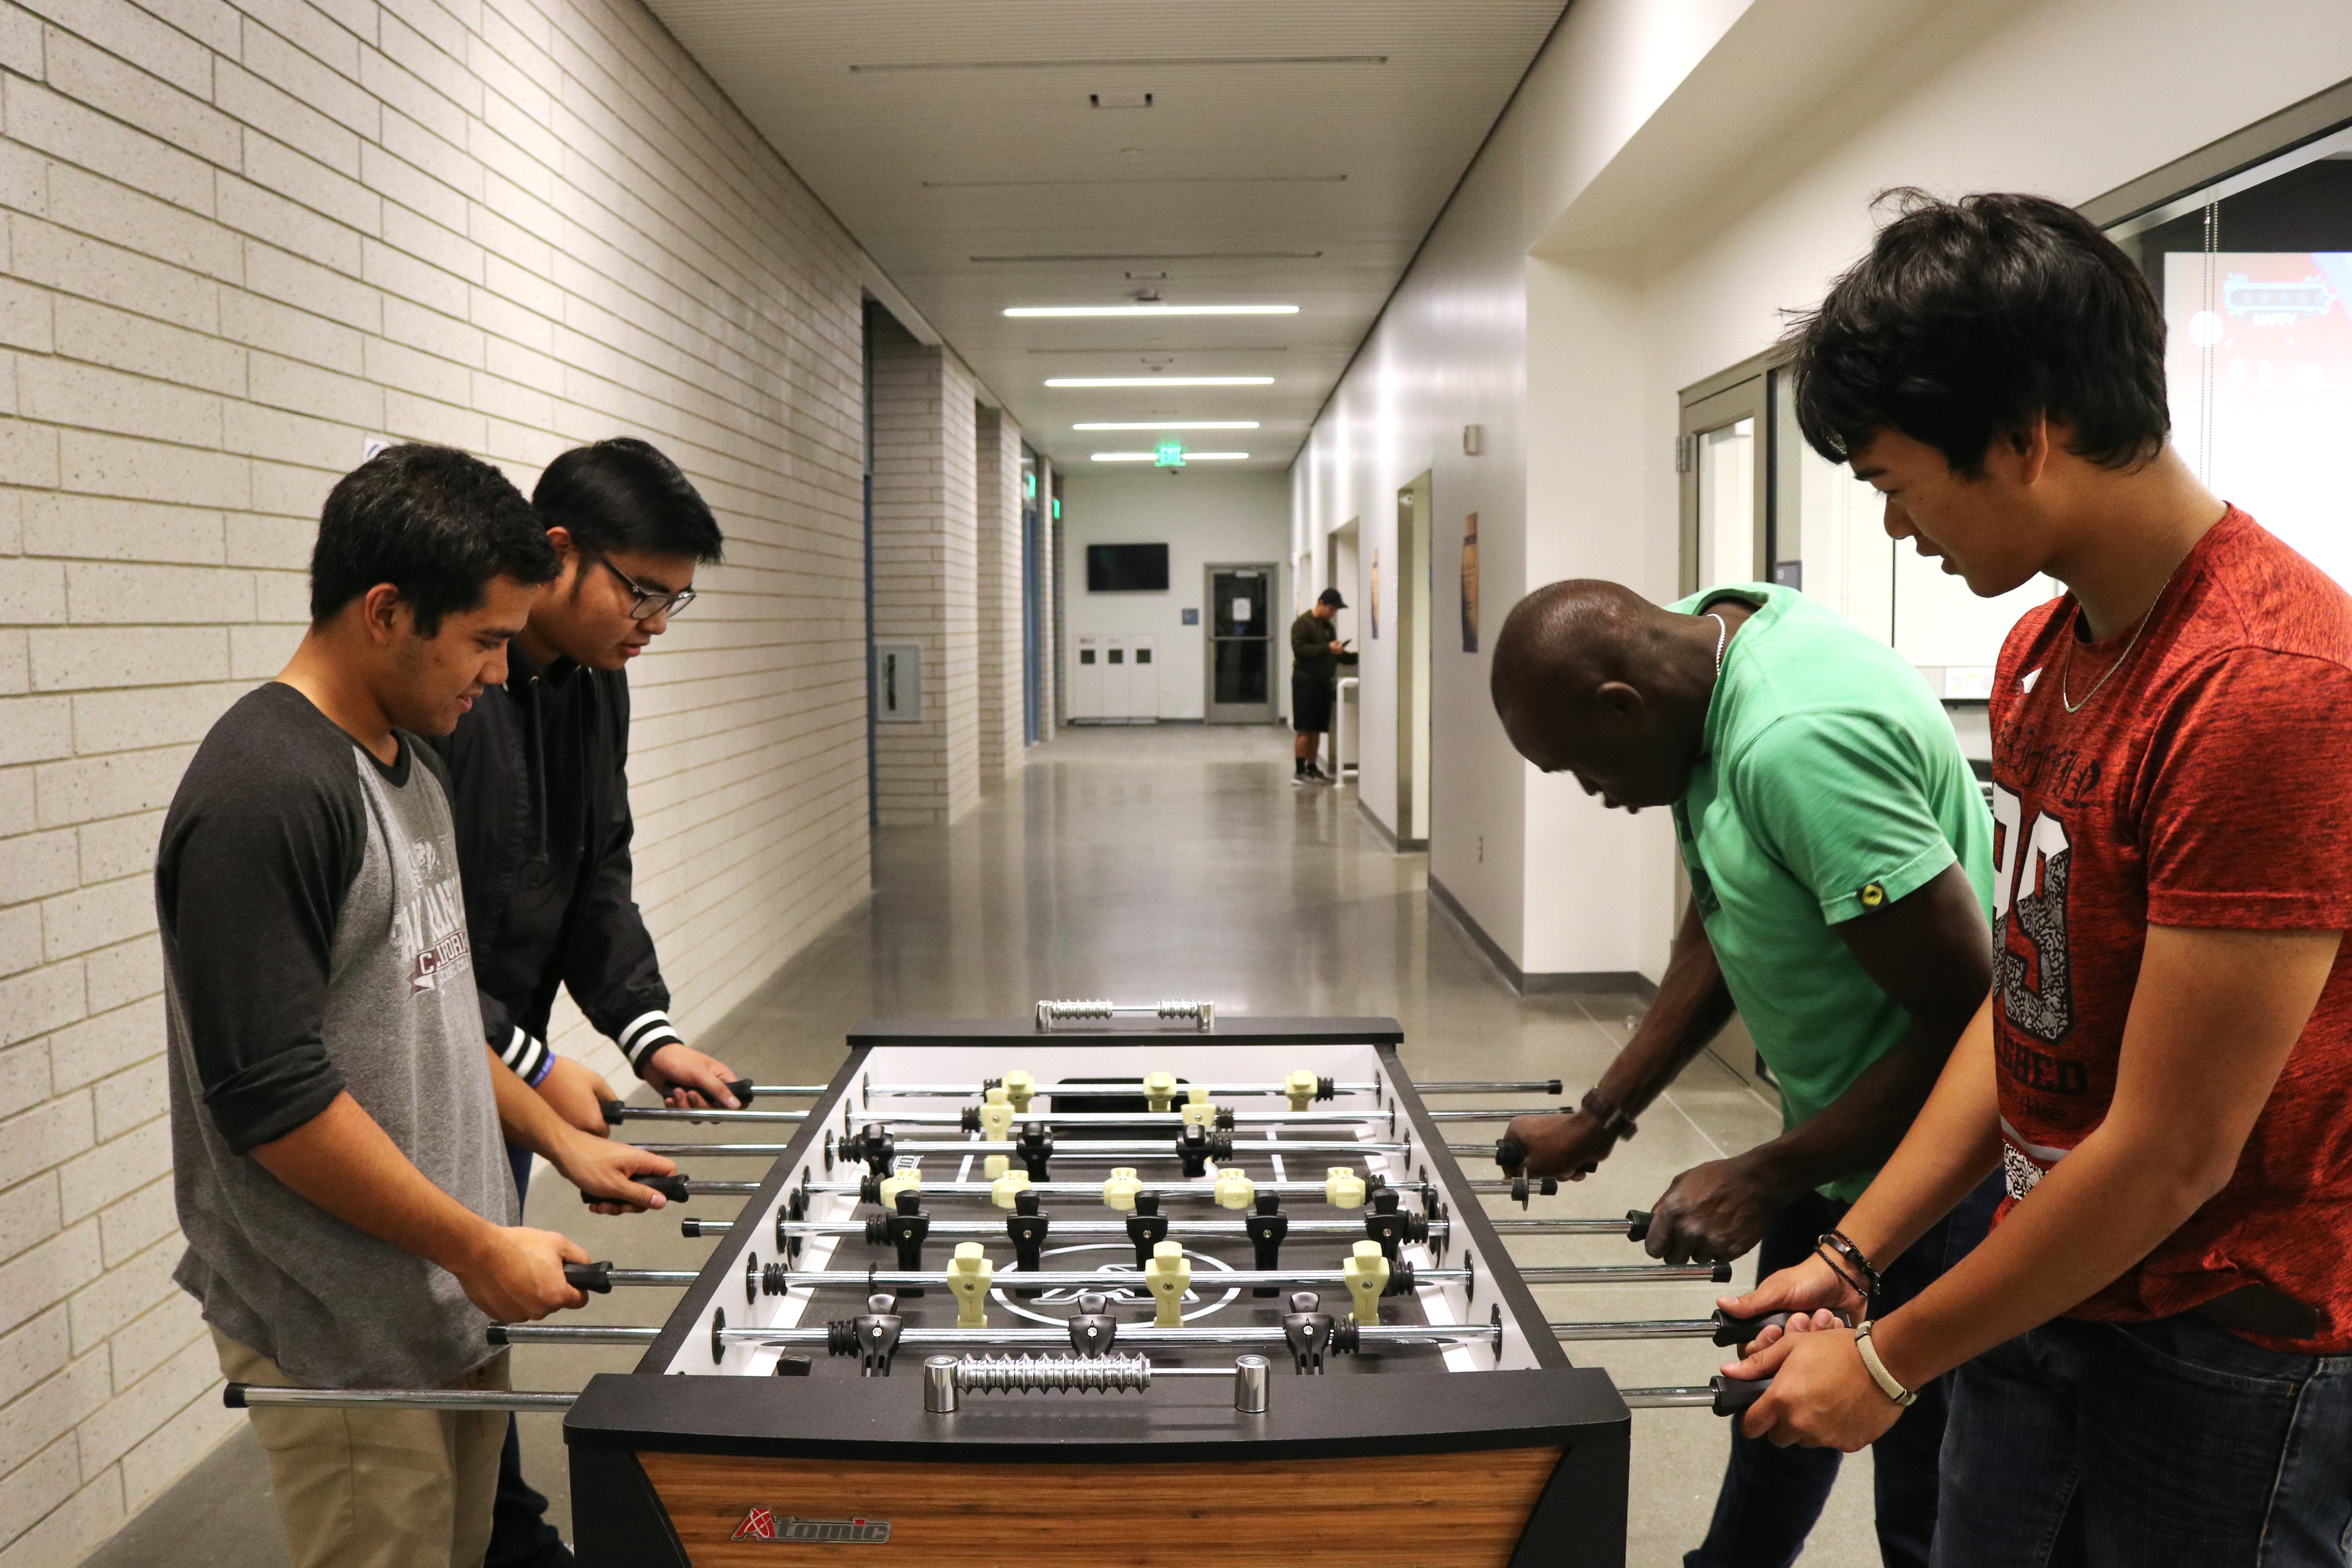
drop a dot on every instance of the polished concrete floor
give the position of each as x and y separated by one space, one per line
1140 864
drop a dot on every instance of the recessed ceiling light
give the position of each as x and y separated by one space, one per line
1176 424
1151 309
1160 380
1189 457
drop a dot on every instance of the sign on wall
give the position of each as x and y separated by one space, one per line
1470 583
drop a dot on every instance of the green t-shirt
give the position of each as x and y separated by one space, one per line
1831 783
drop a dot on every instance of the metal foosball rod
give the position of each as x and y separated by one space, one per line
1403 1276
1325 1088
250 1395
994 1230
1135 1336
1204 1189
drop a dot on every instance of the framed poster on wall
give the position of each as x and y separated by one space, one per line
1470 583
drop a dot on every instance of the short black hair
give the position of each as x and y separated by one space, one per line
433 522
624 494
1968 319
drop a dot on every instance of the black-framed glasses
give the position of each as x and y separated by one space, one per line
650 602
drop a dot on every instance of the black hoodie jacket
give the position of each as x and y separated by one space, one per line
538 784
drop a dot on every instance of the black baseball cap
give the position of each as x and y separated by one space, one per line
1331 597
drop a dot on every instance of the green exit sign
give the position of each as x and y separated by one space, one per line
1171 455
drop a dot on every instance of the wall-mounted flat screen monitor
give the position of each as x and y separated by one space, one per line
1126 568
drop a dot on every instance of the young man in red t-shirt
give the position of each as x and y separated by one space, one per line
2155 1345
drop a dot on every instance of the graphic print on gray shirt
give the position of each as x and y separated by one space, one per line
314 942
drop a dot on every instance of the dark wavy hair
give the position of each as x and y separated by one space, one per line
436 523
1968 319
624 494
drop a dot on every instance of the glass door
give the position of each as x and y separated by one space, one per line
1726 502
1241 632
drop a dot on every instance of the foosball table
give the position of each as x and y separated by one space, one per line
1106 1285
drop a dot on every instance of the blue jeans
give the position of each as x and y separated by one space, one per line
1772 1497
2123 1444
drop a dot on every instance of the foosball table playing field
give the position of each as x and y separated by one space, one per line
1133 1285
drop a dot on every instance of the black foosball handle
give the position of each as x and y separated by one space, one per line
617 1112
596 1278
1637 1224
1734 1394
673 1188
1731 1331
1510 1153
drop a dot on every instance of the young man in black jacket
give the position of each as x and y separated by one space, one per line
539 789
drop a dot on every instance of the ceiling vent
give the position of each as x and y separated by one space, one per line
1120 99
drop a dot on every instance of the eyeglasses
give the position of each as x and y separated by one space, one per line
651 602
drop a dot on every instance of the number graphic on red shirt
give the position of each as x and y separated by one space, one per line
2039 999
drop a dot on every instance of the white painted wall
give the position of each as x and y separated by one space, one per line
1674 176
1201 515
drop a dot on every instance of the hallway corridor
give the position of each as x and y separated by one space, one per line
1136 864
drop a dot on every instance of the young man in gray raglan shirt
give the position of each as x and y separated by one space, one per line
336 1123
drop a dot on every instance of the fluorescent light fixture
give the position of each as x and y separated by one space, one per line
1151 309
1160 380
1175 425
1153 456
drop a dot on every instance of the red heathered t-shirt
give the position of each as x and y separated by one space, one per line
2209 783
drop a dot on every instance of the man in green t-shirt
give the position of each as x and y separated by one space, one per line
1839 851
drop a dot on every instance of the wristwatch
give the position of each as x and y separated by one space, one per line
1612 1117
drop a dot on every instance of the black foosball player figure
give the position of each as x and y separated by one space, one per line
539 790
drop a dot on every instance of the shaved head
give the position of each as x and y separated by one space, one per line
1584 626
1592 679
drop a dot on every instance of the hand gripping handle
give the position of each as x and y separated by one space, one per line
616 1112
1510 1153
674 1188
591 1276
1731 1331
1734 1394
1637 1224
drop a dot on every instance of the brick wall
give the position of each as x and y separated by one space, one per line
926 561
1002 724
235 244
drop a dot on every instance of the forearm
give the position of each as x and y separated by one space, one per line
1953 1141
2099 1211
1691 1008
345 1163
524 1115
1862 1127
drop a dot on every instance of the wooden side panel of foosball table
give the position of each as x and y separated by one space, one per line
1416 1511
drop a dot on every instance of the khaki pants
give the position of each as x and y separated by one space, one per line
361 1487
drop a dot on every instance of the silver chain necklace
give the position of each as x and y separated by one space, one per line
2121 660
1723 635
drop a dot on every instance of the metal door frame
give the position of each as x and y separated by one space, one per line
1212 710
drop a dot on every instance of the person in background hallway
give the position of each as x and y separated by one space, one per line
2154 1347
1840 869
539 788
1316 657
335 1121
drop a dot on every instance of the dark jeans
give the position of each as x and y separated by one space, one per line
2124 1444
520 1536
1772 1496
